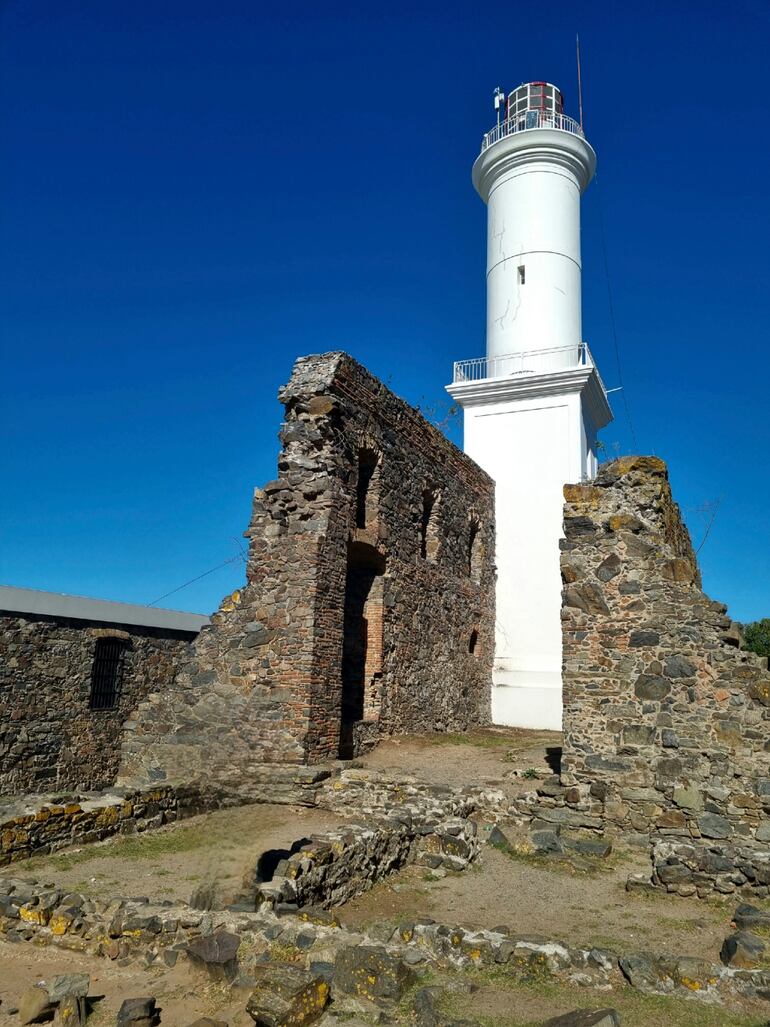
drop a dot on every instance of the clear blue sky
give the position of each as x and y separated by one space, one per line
195 193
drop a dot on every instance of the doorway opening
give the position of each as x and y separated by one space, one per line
362 648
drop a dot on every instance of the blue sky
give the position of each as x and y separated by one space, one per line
194 193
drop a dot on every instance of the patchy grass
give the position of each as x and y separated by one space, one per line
178 838
574 864
517 742
503 1001
164 863
279 953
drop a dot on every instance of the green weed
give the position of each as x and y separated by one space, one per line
551 998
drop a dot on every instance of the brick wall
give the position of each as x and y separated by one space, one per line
335 552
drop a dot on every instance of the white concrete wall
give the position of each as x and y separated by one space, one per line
534 223
531 447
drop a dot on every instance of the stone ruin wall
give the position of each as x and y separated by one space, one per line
49 737
666 719
369 597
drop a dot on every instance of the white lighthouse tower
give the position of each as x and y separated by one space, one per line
532 406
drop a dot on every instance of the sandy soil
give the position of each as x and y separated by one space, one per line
584 909
183 993
172 862
489 756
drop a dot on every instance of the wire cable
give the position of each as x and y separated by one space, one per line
232 560
612 316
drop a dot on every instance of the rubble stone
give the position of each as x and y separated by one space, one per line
743 950
138 1012
35 1005
662 711
371 972
586 1018
287 997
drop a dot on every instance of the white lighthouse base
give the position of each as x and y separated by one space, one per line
527 700
532 433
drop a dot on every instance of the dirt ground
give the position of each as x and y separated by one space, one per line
536 895
174 861
585 909
184 994
491 756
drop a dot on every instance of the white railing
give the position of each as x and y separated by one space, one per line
533 361
530 119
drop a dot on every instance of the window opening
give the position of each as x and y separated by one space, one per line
474 550
473 642
107 673
366 488
428 531
522 274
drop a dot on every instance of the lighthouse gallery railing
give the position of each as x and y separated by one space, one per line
533 361
530 119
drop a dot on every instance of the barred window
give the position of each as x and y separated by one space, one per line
106 673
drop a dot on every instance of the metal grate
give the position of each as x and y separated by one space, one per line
106 673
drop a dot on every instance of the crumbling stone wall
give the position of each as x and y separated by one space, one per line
371 566
49 737
333 868
666 719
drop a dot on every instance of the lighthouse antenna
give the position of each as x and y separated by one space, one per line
499 102
580 83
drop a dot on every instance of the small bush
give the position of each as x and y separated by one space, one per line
757 637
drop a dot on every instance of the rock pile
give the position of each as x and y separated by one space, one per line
700 868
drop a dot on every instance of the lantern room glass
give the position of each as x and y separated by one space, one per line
534 96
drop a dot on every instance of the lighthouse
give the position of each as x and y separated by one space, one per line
532 407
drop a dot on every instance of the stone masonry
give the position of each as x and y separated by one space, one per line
666 719
49 736
369 602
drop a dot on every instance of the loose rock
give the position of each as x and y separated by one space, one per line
370 971
138 1012
286 996
742 950
586 1018
35 1006
72 1011
69 984
748 917
216 952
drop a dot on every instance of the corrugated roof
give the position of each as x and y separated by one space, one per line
55 604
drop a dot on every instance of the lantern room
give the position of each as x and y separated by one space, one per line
534 96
